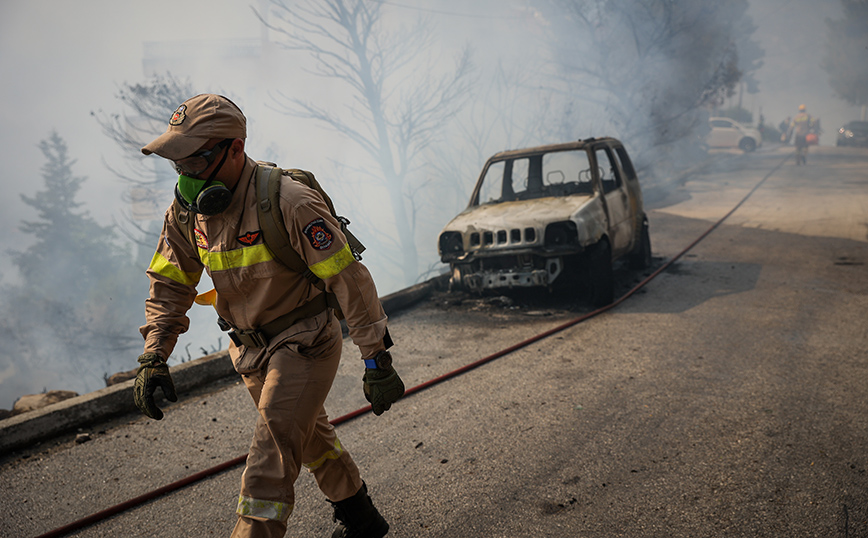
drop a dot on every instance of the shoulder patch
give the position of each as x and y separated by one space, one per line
201 240
250 237
318 233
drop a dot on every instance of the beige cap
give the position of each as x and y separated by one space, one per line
196 121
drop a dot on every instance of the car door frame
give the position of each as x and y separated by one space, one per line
616 203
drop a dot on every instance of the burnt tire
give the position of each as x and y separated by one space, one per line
455 284
600 281
640 258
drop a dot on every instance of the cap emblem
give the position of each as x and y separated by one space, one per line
179 116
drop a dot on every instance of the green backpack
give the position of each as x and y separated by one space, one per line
274 233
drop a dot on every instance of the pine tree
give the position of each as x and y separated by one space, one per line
66 236
70 318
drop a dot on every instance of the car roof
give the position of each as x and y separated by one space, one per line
578 144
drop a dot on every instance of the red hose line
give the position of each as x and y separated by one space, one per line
151 495
141 499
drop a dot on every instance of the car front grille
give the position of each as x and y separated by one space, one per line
513 236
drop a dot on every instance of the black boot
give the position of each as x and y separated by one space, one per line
358 517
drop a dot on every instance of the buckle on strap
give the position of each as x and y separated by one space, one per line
261 336
248 337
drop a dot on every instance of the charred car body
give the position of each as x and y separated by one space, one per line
550 216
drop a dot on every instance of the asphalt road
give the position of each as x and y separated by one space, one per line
725 398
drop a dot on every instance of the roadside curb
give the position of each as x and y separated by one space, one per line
66 416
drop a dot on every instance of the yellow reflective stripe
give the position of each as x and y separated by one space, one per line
248 506
334 264
163 267
233 259
330 455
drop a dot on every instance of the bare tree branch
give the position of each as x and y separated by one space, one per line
397 106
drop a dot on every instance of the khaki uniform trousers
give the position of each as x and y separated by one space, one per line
293 430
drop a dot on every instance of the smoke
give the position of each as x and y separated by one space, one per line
523 95
793 36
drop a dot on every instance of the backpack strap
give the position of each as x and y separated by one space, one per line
303 176
274 232
185 220
271 220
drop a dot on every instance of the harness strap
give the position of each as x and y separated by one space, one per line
274 231
262 336
186 220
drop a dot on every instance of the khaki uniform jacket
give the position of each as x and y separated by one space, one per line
253 287
801 124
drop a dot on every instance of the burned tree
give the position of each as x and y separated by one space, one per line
398 105
146 110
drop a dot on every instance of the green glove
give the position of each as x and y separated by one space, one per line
382 387
153 373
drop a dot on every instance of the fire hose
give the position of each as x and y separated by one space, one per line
196 477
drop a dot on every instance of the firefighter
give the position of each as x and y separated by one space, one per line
799 129
783 127
286 342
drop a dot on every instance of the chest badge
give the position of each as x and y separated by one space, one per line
319 235
249 238
201 240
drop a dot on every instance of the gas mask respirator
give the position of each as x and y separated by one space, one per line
203 196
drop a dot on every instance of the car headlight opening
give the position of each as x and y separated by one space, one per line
451 244
561 234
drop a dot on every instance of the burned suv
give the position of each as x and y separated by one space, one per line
554 216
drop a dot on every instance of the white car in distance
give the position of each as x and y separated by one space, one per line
727 133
